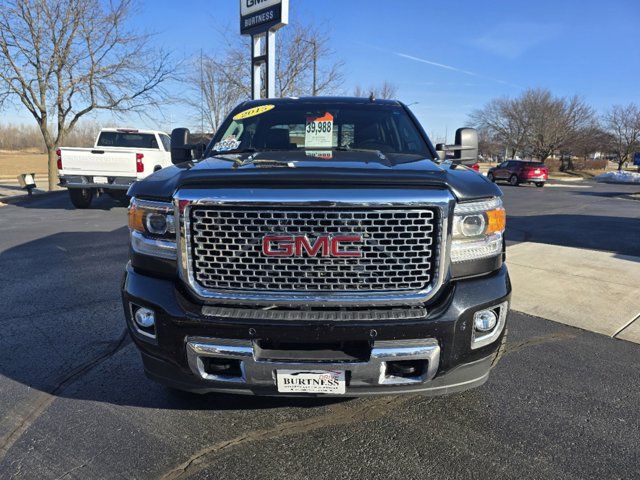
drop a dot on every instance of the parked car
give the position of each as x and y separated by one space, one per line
519 171
120 157
318 246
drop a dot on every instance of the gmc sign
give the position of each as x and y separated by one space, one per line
258 16
339 246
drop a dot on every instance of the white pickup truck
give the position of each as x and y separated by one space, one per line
120 157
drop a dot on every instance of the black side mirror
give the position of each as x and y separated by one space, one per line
180 148
465 150
466 146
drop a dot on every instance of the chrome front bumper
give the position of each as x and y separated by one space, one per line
257 371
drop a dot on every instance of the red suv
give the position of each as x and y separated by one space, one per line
519 171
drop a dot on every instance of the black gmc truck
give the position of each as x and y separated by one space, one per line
318 246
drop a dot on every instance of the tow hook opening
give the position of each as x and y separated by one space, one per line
221 367
406 368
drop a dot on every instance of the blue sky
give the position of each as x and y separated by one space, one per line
449 56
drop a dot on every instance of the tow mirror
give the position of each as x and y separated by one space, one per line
180 148
465 150
466 146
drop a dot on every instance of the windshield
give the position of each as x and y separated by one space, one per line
127 140
316 127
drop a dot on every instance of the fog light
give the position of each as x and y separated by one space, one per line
485 320
488 325
145 318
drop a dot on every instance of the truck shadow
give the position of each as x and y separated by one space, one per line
64 329
60 201
620 235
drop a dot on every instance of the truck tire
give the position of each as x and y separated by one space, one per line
81 197
513 181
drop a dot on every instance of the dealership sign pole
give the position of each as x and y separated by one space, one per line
261 19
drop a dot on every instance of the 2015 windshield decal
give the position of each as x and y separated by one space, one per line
252 112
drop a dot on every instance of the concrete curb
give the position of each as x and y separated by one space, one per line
618 183
567 179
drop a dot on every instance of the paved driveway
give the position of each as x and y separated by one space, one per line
74 402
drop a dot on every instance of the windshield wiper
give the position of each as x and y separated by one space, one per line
344 148
233 152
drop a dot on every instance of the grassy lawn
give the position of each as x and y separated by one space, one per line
14 163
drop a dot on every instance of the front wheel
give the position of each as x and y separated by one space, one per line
81 197
490 177
539 184
513 180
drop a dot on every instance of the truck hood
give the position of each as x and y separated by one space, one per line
316 169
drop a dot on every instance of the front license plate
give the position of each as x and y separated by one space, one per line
100 180
311 381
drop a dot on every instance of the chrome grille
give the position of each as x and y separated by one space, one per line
398 250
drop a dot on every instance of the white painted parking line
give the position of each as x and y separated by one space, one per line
631 332
562 185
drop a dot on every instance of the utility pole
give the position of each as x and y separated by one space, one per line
315 67
314 87
201 95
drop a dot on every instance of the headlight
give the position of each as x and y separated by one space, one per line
478 228
152 228
154 219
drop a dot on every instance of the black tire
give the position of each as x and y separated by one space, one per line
513 181
491 178
81 197
539 184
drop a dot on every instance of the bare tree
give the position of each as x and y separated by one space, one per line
305 65
21 137
536 123
506 122
62 59
299 46
555 121
488 147
386 90
623 123
215 92
586 141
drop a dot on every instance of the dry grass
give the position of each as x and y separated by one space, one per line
15 163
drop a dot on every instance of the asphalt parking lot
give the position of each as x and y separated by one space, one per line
74 402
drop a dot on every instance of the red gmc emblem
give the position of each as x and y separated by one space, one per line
324 246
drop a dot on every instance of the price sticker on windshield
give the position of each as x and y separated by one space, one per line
318 132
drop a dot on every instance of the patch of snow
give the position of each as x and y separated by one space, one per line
619 177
